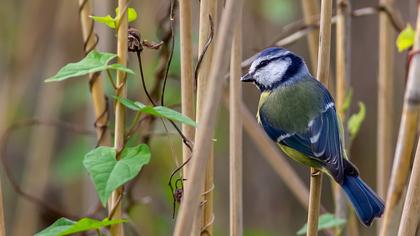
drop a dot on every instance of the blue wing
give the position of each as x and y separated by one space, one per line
320 141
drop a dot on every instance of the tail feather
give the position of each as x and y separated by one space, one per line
364 200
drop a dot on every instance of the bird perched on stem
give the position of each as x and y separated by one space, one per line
298 112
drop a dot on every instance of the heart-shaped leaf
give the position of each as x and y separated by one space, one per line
65 226
159 111
108 174
93 62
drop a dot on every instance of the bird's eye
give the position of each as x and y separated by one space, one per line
262 64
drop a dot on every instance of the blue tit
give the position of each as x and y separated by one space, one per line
298 113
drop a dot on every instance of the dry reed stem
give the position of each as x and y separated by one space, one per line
410 217
187 82
39 155
235 134
411 212
96 86
22 67
324 44
206 216
206 123
401 167
342 58
310 12
27 53
405 143
41 150
385 147
2 224
322 75
314 202
342 88
121 91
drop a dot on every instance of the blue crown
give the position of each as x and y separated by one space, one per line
271 51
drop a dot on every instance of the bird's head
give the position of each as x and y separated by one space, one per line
273 67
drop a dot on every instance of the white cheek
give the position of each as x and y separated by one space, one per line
272 72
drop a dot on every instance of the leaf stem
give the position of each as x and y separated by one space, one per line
111 80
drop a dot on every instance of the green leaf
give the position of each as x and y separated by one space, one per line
95 61
405 39
356 120
86 224
108 174
347 100
111 22
174 115
127 103
121 68
131 12
57 227
159 111
325 221
107 20
65 226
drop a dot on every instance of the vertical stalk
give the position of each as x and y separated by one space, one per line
27 53
41 150
342 88
2 224
411 211
322 75
411 216
121 91
310 11
323 67
385 100
207 8
343 58
235 134
18 77
405 143
40 153
314 202
202 146
96 83
187 82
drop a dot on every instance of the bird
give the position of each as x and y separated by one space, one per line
299 114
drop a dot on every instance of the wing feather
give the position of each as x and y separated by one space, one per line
319 142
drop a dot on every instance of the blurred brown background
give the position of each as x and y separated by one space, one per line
40 36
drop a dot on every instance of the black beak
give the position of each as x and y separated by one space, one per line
247 78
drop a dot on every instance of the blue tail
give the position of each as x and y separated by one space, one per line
366 203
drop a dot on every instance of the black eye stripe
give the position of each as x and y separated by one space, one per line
263 63
266 62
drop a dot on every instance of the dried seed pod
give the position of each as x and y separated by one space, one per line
134 40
